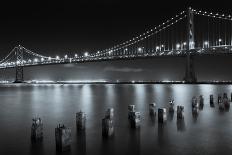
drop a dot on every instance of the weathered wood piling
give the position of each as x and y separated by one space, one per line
152 109
37 129
63 138
162 115
171 106
107 123
180 112
80 120
211 100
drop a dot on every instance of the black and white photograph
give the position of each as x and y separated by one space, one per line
116 77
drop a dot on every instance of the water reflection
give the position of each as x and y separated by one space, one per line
107 145
162 134
63 153
86 99
195 113
81 142
37 148
170 115
60 103
180 125
134 141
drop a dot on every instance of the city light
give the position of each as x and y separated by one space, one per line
57 57
66 56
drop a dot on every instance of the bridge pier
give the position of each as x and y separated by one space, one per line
190 76
19 75
190 73
19 63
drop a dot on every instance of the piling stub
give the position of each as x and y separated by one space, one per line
195 111
221 105
63 138
135 120
180 112
152 109
219 98
37 129
109 113
225 95
171 106
131 109
80 120
107 127
194 102
201 100
226 103
162 115
211 101
231 97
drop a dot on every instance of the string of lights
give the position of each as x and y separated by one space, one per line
147 36
213 15
147 33
167 38
5 58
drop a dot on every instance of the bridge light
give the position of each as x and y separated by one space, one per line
42 59
57 57
206 43
110 51
184 43
86 54
157 48
220 40
139 49
75 55
177 46
66 56
35 60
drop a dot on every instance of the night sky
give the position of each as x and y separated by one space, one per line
68 27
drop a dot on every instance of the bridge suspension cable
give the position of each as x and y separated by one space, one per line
146 34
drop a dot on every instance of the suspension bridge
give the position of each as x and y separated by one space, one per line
187 34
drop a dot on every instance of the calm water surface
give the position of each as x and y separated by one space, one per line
209 133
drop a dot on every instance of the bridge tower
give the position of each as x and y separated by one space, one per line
190 76
19 63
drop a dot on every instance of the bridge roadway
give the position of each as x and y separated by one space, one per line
214 50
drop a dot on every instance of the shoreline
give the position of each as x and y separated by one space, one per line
127 82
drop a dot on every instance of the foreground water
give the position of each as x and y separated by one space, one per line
210 133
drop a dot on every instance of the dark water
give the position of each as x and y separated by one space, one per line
210 133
